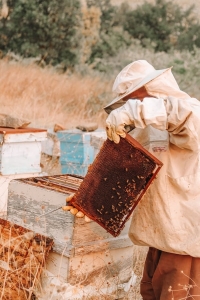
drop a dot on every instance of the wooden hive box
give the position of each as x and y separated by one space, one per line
20 150
84 255
20 153
76 150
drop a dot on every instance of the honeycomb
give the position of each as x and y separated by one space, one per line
115 183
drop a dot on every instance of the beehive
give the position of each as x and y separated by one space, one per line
20 150
84 254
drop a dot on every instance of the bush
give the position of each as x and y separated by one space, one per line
44 28
111 34
164 24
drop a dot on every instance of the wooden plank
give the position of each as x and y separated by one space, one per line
25 137
96 246
6 130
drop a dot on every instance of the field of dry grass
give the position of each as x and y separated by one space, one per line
46 97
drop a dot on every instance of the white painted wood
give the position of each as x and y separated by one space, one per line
4 183
91 238
103 274
19 158
26 204
24 137
20 152
94 268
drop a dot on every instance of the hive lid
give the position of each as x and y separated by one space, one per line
7 130
115 183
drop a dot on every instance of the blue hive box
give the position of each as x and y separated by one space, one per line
76 151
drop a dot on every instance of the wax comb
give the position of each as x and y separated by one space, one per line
115 183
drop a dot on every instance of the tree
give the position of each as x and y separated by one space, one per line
44 28
111 34
163 24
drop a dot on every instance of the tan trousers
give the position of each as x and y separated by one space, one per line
170 276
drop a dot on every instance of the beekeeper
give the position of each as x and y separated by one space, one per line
167 219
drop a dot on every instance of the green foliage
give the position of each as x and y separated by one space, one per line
42 28
111 37
108 12
163 25
52 30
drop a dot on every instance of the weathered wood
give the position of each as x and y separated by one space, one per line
22 257
20 150
101 267
91 237
91 231
20 137
26 203
4 182
83 253
51 146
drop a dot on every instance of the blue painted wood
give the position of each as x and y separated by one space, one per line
76 151
74 136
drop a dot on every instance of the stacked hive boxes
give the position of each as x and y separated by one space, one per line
20 154
85 258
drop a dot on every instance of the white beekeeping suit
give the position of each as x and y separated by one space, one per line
168 216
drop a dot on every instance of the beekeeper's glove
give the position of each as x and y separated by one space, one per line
73 210
116 122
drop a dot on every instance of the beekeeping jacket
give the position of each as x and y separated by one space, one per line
168 125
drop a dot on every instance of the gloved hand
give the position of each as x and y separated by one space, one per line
114 133
73 210
116 122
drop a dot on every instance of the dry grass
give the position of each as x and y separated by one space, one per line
46 97
23 254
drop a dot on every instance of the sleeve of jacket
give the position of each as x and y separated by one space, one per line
172 114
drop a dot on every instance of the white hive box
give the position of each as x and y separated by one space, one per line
20 150
85 258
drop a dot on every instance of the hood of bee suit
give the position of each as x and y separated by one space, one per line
158 83
165 85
